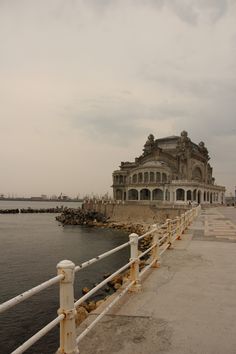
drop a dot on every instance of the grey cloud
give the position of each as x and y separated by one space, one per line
199 87
184 10
117 118
189 11
194 11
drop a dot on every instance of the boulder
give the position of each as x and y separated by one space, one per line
91 306
85 290
81 315
117 286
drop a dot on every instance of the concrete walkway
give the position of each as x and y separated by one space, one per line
188 305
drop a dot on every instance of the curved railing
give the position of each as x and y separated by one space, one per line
162 237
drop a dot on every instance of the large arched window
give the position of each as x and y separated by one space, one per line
145 194
157 194
189 195
197 174
118 194
180 194
133 194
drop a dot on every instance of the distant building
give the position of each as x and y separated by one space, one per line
170 170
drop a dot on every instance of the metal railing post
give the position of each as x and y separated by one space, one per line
187 219
184 223
67 326
155 253
169 231
191 215
134 268
178 227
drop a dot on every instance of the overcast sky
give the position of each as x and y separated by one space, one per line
83 82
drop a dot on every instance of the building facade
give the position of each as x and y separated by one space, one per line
170 170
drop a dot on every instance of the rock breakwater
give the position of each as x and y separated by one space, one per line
31 210
71 216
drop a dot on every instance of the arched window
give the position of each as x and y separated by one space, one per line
152 178
146 177
158 177
118 194
157 194
133 194
189 195
197 174
180 193
164 177
121 179
135 178
140 177
204 196
208 196
145 194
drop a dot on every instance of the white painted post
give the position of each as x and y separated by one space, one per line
155 253
178 228
188 218
67 326
169 230
134 268
184 223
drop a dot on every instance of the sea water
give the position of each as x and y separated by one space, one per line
31 245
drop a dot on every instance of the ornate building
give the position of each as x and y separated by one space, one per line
170 170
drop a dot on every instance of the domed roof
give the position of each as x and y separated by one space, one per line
154 163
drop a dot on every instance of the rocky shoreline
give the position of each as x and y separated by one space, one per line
71 216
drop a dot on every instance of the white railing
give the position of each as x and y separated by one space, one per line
163 236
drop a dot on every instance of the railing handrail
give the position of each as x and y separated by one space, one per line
28 293
169 232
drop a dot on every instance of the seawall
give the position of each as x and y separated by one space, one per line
133 212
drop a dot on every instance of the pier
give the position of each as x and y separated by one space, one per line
188 305
182 301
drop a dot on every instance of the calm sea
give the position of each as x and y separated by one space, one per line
31 245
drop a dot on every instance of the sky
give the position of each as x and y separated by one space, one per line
84 82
